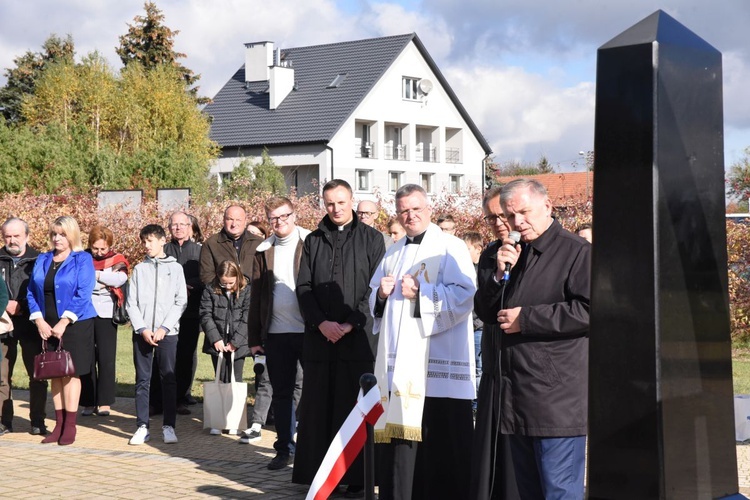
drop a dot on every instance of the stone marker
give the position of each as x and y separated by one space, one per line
660 398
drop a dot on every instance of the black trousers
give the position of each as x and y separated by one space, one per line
283 352
98 388
437 467
31 345
145 358
187 357
186 362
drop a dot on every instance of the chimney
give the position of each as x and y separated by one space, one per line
281 81
258 61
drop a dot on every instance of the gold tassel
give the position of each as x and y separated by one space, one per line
403 432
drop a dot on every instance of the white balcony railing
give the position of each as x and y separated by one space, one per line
426 154
363 149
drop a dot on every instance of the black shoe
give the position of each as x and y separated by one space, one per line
5 429
38 430
183 410
354 492
190 400
278 462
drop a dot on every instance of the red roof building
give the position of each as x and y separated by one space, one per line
563 188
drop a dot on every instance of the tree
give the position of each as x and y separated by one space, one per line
138 128
739 177
515 168
151 44
267 176
28 68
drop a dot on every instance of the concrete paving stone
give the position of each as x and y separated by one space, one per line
101 463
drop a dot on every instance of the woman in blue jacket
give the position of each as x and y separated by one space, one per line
59 296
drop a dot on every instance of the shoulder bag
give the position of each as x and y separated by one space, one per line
53 364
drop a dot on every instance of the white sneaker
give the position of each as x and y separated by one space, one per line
215 432
252 434
232 432
169 435
141 436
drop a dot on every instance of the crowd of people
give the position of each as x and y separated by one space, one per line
480 352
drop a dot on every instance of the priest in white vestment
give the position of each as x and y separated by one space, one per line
423 293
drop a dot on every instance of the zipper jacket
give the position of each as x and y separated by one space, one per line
157 295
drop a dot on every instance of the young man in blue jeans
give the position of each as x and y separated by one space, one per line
157 296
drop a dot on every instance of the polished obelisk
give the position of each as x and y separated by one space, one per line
660 394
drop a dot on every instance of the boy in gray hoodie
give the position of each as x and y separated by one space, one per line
157 296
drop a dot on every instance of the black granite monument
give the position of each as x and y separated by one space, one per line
660 398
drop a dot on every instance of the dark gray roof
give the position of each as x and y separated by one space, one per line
312 112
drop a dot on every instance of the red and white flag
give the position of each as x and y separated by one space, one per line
346 445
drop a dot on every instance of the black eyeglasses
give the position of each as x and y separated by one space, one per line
281 218
366 214
492 219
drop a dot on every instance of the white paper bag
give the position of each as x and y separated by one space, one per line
742 417
224 404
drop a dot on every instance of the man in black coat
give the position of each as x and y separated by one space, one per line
333 288
537 327
188 254
16 262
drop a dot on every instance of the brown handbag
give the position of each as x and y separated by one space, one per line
53 364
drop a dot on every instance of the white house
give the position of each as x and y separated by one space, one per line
377 113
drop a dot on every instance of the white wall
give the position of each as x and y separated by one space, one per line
385 104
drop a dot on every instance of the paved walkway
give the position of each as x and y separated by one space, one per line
101 463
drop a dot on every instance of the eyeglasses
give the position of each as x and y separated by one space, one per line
492 219
366 214
179 224
280 218
411 212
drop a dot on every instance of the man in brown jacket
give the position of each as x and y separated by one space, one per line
233 242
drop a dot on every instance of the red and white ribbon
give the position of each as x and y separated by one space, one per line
346 445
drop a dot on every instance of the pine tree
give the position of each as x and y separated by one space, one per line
27 71
150 43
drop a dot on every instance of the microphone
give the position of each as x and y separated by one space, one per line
516 237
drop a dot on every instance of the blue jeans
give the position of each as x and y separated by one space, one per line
549 468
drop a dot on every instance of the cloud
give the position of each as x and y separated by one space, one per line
524 115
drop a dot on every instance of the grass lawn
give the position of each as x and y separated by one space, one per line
125 373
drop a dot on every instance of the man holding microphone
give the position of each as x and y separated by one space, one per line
539 317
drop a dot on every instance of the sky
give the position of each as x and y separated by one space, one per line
524 70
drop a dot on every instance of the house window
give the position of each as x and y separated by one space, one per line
410 88
363 180
455 181
426 181
394 181
362 141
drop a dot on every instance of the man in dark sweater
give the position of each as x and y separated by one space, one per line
187 252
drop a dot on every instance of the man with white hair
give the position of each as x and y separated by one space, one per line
423 292
538 394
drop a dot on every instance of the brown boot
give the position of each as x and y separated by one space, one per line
69 429
54 436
